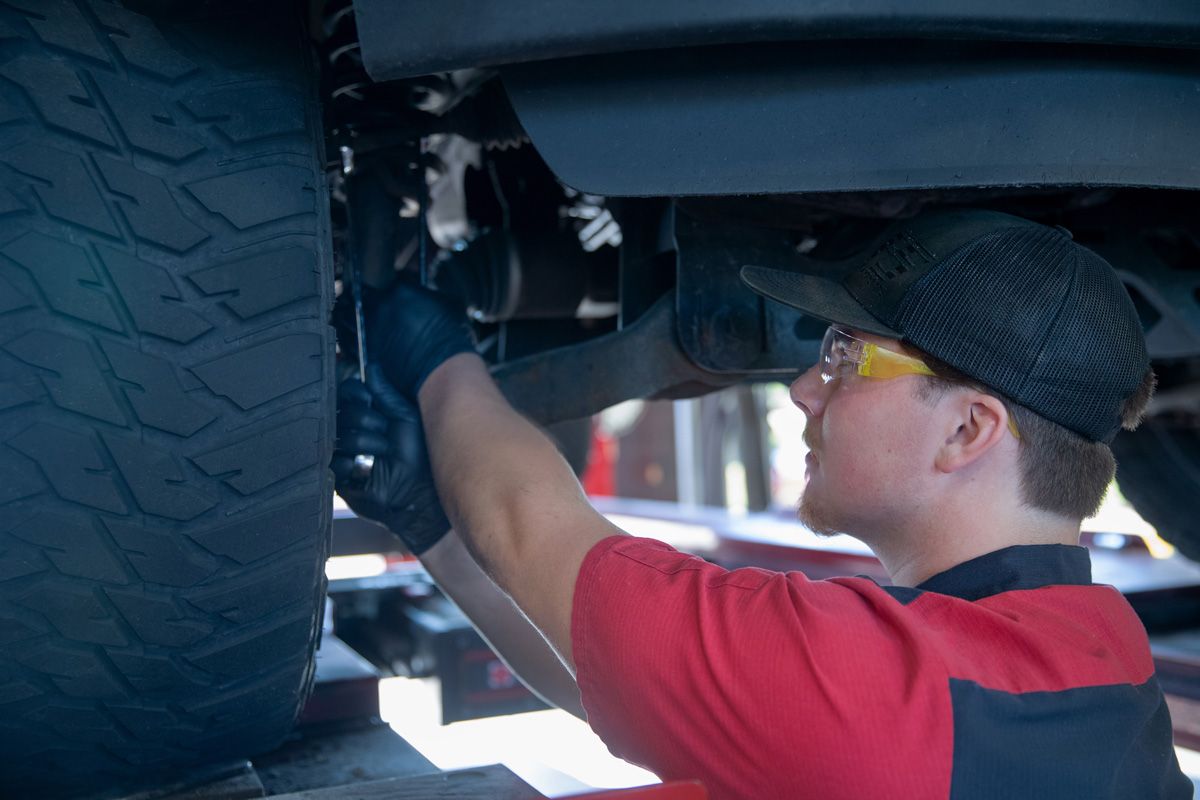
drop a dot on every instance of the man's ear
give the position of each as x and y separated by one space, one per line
979 422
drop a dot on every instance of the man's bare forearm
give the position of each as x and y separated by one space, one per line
499 477
512 498
499 621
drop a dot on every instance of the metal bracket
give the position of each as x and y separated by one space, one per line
724 327
642 360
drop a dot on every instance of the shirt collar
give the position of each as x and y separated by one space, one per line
1027 566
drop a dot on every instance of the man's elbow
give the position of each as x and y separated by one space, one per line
512 526
502 542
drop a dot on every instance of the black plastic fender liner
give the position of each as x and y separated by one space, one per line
402 40
821 117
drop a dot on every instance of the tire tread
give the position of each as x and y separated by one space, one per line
165 391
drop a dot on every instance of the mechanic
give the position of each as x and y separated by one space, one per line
976 368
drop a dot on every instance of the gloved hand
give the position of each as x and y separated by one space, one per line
377 420
413 331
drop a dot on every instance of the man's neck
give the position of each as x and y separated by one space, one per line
913 558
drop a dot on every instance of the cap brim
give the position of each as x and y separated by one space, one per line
816 296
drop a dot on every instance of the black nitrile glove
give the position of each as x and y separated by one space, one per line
412 331
377 420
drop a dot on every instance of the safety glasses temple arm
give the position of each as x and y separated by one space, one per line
878 362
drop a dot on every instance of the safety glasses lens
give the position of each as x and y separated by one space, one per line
830 356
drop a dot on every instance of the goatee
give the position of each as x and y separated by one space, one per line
815 518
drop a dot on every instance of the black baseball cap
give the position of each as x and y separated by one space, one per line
1016 305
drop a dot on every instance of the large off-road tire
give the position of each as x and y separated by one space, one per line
165 388
1158 470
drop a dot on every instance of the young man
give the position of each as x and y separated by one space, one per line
977 367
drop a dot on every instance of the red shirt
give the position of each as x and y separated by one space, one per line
1011 675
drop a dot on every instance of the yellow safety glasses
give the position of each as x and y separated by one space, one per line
842 353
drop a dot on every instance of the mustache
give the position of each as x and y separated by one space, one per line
810 439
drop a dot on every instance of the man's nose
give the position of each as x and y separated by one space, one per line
809 392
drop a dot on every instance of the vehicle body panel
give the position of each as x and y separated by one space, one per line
401 40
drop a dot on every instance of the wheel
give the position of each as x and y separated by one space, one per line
166 391
1158 470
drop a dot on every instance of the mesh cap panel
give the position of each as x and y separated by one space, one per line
1043 321
1095 356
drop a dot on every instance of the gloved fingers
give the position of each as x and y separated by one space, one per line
405 432
387 397
343 467
358 417
392 478
362 503
368 498
352 392
356 441
348 474
399 496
